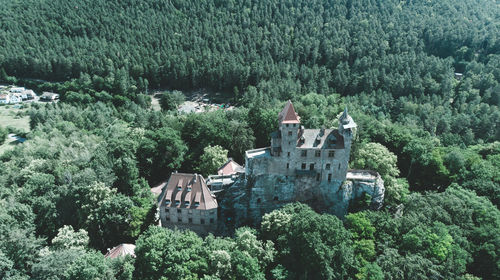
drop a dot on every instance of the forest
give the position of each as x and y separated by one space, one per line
420 78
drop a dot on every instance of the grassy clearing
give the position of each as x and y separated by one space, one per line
9 117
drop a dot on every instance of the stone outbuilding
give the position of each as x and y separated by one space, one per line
186 202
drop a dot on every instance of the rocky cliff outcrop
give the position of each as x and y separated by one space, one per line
249 198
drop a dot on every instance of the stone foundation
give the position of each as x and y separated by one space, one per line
248 199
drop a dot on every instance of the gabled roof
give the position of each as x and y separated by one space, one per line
187 191
318 139
288 114
230 167
121 250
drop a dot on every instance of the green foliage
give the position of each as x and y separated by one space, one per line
362 232
160 152
169 254
67 238
310 245
91 265
370 271
444 234
212 158
54 265
171 100
359 226
165 254
3 134
376 157
402 48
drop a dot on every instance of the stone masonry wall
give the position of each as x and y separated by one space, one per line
248 199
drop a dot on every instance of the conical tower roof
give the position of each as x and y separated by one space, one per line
288 114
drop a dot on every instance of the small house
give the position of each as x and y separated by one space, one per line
28 95
49 96
4 99
15 98
17 90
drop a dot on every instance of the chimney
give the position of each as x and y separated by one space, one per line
195 177
322 131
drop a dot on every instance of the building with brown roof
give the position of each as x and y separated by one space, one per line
322 154
231 167
186 203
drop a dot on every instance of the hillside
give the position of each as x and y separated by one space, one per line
281 47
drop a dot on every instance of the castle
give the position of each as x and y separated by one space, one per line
322 154
305 165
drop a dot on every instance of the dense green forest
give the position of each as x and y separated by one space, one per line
81 182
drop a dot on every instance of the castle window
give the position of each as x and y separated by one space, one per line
287 165
190 220
317 153
167 210
303 153
303 166
311 166
327 166
339 166
177 202
329 177
178 211
317 177
331 153
167 218
289 133
275 198
211 221
286 125
186 203
294 124
179 188
258 200
196 204
167 202
179 219
202 221
288 154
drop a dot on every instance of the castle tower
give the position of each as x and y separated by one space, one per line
289 129
347 128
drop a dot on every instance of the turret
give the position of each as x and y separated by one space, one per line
289 128
347 128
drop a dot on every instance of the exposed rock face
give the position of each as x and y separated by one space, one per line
248 199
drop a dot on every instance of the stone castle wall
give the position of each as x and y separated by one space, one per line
248 199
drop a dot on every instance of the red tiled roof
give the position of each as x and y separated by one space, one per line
288 114
187 191
230 167
121 250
